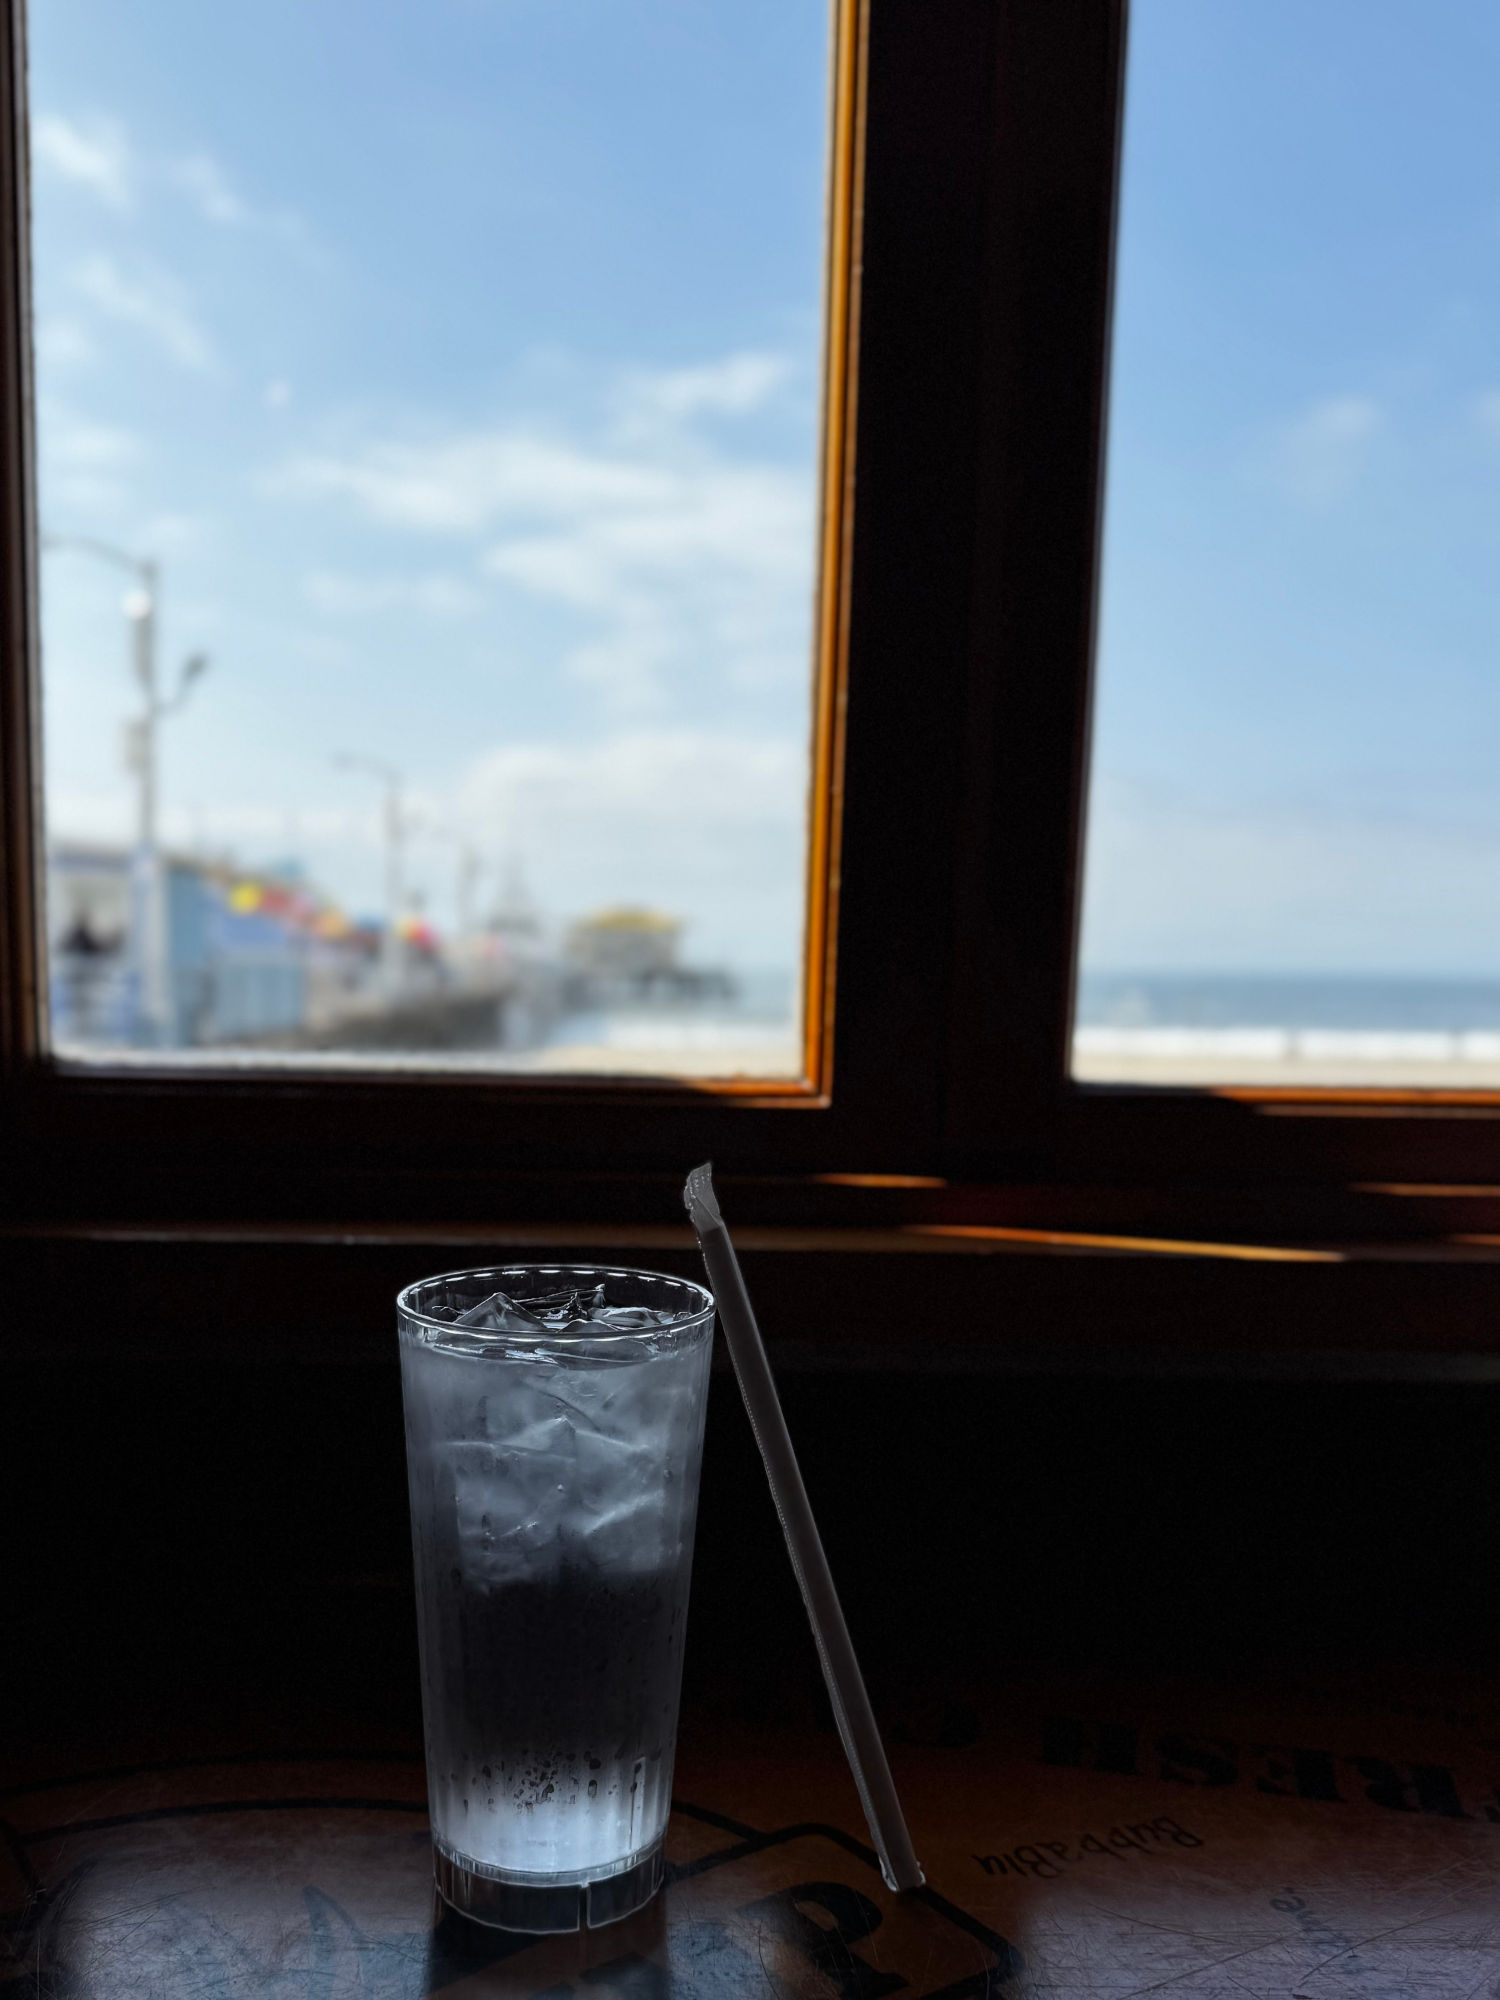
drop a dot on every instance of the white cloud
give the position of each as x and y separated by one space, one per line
435 594
732 387
698 822
462 485
75 441
717 568
170 534
680 779
153 303
277 393
682 558
94 154
63 343
222 821
206 185
107 814
1177 884
97 154
320 649
1317 458
85 465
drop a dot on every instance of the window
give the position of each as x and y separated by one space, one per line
971 232
427 428
1292 823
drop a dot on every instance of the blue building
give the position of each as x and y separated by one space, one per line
237 974
238 954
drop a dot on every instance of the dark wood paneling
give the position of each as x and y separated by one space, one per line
20 761
1051 169
1036 1300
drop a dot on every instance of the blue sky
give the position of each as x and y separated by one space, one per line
459 363
1299 681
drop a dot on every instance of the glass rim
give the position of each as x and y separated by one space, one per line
690 1322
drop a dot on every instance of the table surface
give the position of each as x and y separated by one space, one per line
1207 1841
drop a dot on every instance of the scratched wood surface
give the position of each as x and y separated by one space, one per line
1214 1843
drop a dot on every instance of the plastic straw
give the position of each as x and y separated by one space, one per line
846 1685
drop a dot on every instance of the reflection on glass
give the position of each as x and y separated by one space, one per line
1293 865
427 415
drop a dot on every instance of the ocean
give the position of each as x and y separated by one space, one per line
1331 1028
1355 1001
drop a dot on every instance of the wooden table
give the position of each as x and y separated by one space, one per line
1206 1841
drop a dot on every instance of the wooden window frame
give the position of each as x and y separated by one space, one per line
972 220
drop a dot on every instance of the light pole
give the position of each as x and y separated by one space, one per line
468 882
395 840
470 868
149 916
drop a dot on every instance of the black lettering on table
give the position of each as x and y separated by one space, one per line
1048 1858
829 1947
1032 1857
1310 1772
1425 1788
1278 1770
1207 1760
1095 1746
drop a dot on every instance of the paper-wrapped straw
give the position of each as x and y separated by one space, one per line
845 1682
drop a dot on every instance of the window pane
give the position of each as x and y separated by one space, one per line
1293 864
427 414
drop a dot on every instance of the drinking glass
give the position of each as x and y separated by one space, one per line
554 1429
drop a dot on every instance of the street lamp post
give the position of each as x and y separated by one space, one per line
149 915
467 883
395 890
154 972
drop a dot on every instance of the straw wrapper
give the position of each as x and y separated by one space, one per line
846 1686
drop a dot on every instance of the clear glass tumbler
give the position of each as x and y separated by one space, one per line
553 1440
